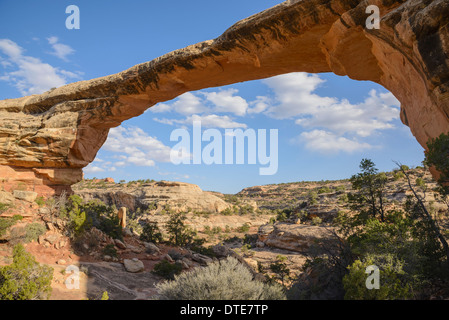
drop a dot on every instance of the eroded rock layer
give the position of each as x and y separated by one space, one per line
46 140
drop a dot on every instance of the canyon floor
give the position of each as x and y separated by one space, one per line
259 225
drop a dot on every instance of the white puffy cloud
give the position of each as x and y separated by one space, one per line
185 104
93 169
259 105
294 95
375 113
226 101
137 147
342 123
31 75
336 121
60 50
328 142
207 121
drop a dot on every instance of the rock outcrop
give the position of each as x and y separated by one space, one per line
46 140
294 237
178 195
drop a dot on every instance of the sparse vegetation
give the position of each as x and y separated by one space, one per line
224 280
179 234
167 270
151 233
25 279
244 228
33 231
109 250
6 223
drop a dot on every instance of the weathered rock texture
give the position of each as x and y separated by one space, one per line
46 140
294 237
180 196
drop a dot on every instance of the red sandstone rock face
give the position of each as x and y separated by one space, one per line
46 140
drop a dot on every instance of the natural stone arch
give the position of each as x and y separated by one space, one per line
47 139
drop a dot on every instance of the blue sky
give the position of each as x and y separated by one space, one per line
326 123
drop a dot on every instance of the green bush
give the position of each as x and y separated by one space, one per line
393 281
324 190
110 250
398 175
40 201
82 216
167 270
420 182
244 228
6 223
222 280
33 231
151 233
3 207
312 198
316 221
280 269
25 279
179 233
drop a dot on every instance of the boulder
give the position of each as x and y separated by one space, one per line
29 196
120 244
151 248
133 265
6 197
294 237
202 259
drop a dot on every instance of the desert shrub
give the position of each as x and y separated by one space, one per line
280 269
420 182
222 280
343 199
398 175
246 250
3 207
33 231
206 251
25 279
316 221
395 283
151 233
40 201
72 212
244 228
110 250
246 209
324 190
312 198
104 218
167 270
179 233
81 216
105 296
6 223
